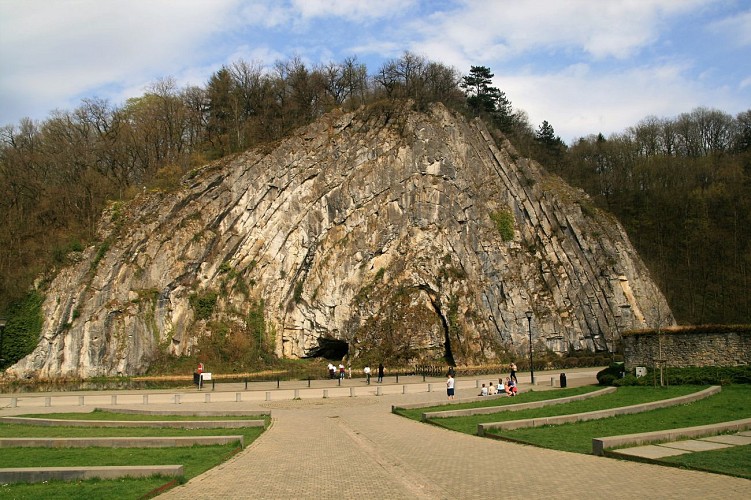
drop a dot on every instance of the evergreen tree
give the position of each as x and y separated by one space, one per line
483 98
221 105
545 135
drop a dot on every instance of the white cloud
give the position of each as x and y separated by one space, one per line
51 52
584 65
600 28
579 102
737 29
353 10
269 14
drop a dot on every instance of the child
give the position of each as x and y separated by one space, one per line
501 388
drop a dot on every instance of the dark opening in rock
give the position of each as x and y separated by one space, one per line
329 348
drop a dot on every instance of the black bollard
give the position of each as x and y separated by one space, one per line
397 378
277 383
246 383
308 381
212 384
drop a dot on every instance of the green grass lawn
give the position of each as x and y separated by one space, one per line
195 459
31 431
524 397
730 404
734 461
624 396
93 488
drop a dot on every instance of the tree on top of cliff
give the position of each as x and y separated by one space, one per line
483 98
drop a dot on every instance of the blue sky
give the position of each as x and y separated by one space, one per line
586 66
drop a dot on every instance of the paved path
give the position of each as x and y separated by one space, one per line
354 447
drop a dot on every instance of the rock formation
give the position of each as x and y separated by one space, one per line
419 235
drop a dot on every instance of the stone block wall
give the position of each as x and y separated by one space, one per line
693 346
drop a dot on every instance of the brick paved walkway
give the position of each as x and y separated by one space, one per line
355 448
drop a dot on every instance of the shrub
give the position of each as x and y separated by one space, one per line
100 253
23 328
711 375
571 362
504 223
631 379
203 304
610 374
298 292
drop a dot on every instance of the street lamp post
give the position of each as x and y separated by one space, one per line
531 365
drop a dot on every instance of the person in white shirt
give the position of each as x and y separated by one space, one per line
501 389
483 391
450 387
367 373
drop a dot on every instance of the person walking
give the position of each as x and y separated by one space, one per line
450 387
513 373
380 372
341 371
367 373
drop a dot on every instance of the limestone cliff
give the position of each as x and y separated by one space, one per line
415 233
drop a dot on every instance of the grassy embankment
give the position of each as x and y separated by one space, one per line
195 459
730 404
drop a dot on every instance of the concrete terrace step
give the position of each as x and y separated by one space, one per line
430 404
120 442
599 414
514 407
189 413
41 474
175 424
600 445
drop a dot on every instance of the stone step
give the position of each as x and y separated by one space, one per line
41 474
119 442
179 424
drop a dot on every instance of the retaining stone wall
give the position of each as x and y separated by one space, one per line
687 348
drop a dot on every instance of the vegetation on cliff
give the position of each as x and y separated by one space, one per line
680 186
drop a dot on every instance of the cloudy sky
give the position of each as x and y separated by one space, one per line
586 66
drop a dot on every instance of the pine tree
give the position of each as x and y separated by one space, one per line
483 98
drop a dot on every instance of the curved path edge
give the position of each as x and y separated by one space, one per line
515 407
595 415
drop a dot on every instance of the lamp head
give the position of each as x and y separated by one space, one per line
529 314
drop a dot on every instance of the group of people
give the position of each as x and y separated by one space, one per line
381 371
333 371
341 372
509 387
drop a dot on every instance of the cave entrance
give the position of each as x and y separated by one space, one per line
329 348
